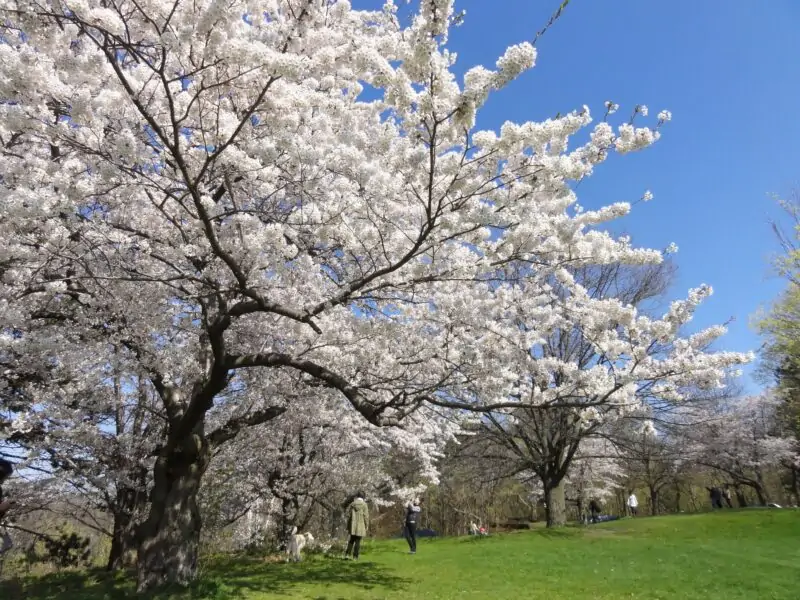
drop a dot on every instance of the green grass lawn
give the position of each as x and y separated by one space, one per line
752 554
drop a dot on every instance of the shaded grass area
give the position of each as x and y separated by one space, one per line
731 555
228 578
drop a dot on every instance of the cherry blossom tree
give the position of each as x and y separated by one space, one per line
594 474
18 374
100 450
305 466
743 441
780 328
91 439
205 187
652 457
595 358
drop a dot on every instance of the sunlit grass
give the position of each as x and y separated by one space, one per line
732 555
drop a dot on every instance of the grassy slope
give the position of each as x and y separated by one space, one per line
730 555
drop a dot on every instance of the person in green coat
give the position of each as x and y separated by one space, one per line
357 524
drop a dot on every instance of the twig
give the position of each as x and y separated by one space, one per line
556 15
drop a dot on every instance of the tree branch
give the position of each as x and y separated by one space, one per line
231 429
331 379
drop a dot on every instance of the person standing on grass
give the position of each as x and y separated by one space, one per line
716 497
726 494
410 529
357 525
633 504
6 469
594 509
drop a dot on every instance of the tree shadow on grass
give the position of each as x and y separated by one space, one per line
252 575
68 585
228 578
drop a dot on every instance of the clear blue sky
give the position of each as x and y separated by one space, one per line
729 72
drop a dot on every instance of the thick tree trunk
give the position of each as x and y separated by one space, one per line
654 501
762 497
555 504
170 537
290 507
740 498
118 552
693 498
760 488
130 505
123 544
677 498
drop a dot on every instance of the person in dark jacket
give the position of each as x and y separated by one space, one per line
594 509
6 469
716 497
357 525
410 526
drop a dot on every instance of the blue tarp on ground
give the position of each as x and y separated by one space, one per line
426 533
421 533
604 518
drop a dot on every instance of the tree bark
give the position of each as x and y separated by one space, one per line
762 497
123 543
760 488
556 505
654 501
129 506
122 549
170 537
290 508
740 498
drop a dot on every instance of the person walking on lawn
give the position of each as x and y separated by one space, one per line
357 525
412 517
633 504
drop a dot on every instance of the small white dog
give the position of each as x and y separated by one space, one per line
297 541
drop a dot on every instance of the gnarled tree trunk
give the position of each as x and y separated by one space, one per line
290 509
123 541
654 501
555 503
762 496
170 537
131 502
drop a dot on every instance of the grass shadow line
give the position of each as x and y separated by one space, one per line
221 578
